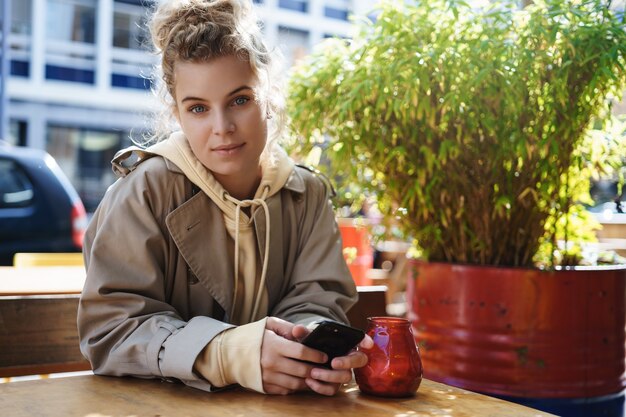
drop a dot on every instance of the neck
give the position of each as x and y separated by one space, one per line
239 187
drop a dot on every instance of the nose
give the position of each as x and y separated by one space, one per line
222 123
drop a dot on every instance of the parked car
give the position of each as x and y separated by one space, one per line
40 211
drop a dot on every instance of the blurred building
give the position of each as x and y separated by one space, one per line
79 73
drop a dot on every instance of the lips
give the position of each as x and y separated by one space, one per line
229 147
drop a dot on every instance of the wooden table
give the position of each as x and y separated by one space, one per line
111 396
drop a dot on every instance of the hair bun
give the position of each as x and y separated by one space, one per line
171 16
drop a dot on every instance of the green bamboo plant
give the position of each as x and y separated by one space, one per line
470 125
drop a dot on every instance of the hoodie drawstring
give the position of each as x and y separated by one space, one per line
239 204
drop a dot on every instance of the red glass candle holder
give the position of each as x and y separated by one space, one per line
394 367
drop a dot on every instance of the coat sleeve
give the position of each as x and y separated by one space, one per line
320 286
126 326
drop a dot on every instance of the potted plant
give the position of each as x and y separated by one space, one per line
470 125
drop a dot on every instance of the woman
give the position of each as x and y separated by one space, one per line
211 254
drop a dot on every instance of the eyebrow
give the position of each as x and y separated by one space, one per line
235 91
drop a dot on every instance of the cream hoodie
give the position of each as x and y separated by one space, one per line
234 356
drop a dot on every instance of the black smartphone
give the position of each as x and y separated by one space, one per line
334 339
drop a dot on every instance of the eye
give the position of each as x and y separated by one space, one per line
197 108
241 100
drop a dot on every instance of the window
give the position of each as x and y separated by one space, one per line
16 190
70 43
54 72
334 13
21 17
337 9
131 61
85 154
20 68
135 2
17 132
130 81
297 5
19 39
129 26
71 20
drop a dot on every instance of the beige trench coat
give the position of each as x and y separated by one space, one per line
159 277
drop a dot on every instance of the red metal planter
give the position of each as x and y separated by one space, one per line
521 332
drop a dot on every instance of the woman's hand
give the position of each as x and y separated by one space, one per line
328 381
282 355
321 380
283 370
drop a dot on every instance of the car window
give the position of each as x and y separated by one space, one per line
16 190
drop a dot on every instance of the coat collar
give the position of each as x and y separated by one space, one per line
295 182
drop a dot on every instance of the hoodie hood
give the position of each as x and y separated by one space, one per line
276 168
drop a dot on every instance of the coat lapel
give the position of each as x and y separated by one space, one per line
194 224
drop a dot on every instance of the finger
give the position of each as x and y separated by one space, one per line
276 350
280 327
276 389
282 355
296 350
352 360
332 376
322 387
367 342
299 332
292 367
285 381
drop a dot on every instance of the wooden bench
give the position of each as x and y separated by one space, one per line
38 333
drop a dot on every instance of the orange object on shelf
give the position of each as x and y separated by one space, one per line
357 249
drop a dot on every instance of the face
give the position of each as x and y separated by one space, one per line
225 125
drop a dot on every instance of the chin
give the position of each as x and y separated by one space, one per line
230 170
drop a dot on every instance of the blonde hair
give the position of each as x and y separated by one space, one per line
201 30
